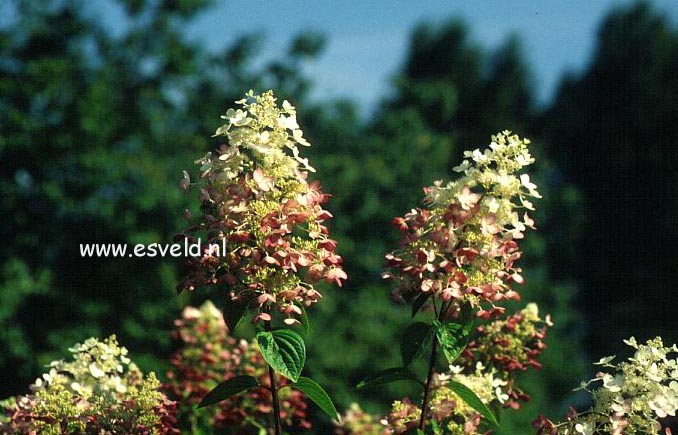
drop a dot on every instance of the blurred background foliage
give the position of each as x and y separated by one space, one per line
95 129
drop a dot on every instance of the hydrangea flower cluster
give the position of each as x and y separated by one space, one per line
403 417
509 345
454 416
209 355
256 202
100 391
463 246
628 398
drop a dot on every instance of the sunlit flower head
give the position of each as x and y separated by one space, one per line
262 223
463 246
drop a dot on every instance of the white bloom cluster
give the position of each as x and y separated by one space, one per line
484 382
634 394
264 129
490 179
97 368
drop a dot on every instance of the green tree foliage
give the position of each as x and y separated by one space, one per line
612 130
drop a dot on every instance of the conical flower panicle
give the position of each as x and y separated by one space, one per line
462 247
262 226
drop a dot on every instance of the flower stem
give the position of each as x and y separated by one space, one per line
274 394
444 308
429 381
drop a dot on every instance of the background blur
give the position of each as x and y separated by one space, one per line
103 103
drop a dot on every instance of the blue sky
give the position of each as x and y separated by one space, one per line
367 40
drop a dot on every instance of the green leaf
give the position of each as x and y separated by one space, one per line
234 310
305 321
414 342
453 338
228 388
284 350
387 376
419 302
318 395
468 396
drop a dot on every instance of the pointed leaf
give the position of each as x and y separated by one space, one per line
234 310
419 302
284 350
416 338
472 400
228 388
453 338
318 395
305 321
387 376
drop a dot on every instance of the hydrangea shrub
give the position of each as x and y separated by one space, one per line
263 237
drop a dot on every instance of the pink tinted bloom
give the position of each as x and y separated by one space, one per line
462 247
262 224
